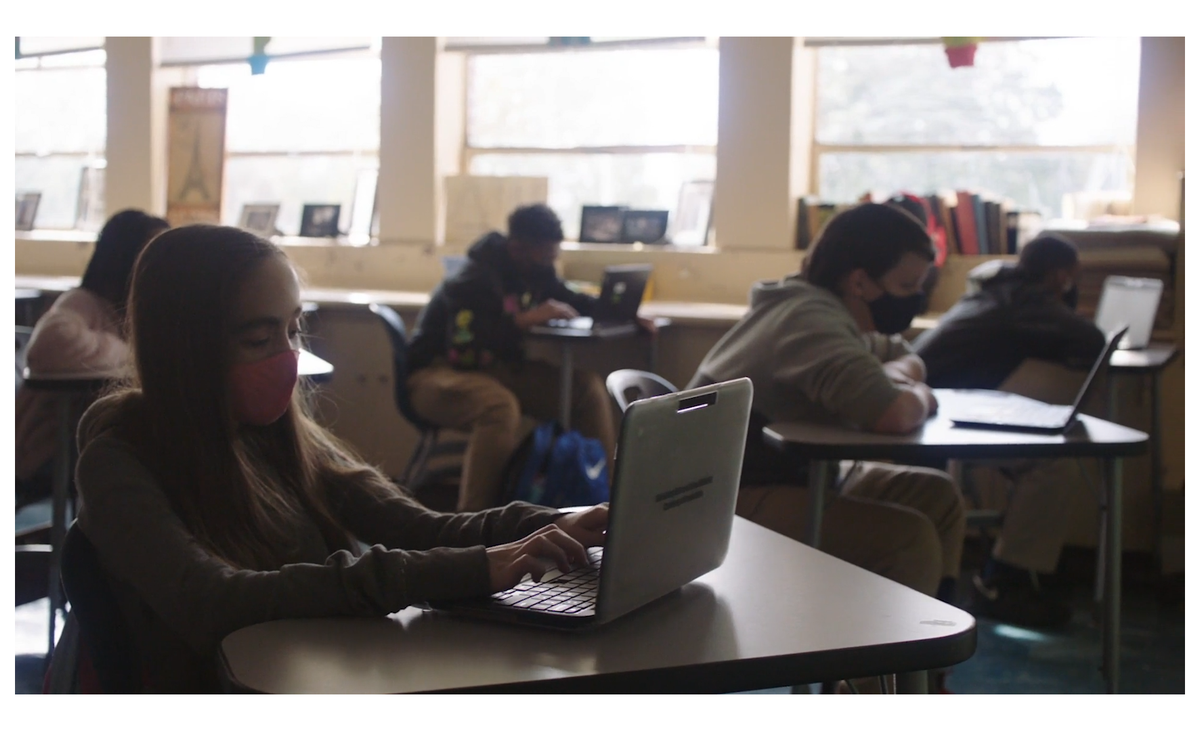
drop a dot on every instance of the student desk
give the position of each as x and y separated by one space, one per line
566 340
938 438
776 613
1150 361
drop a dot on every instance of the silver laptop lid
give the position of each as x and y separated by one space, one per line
679 461
1129 302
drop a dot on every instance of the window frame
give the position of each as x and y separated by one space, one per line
817 149
469 152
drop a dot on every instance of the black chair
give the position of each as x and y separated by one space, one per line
416 475
629 385
23 336
102 629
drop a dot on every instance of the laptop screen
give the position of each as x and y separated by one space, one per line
1110 347
1130 302
621 292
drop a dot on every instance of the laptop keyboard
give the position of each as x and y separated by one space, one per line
558 593
1025 413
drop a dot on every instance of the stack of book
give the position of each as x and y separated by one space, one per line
976 224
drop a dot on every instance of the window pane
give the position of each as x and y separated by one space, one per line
593 98
650 181
1080 91
32 45
60 110
1035 181
300 105
291 181
56 177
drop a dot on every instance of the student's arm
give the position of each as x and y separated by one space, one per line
584 304
380 514
141 542
832 366
911 407
907 369
1055 333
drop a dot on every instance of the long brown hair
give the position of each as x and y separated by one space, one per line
240 490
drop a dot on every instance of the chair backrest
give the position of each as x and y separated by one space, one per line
629 385
23 336
398 337
103 630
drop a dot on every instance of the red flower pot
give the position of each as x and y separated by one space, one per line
961 55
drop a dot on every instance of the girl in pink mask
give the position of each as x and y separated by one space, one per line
215 501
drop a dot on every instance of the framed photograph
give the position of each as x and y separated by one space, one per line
601 224
27 205
89 205
647 227
693 216
362 210
320 220
259 218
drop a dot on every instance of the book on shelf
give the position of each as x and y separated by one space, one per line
964 216
811 216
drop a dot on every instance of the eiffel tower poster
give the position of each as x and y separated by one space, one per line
196 155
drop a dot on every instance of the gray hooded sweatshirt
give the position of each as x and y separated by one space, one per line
806 357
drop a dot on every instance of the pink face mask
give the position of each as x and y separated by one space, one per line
262 390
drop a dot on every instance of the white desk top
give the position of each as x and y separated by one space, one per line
776 613
940 438
309 365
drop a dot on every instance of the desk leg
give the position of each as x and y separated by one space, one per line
912 683
1112 588
564 387
1156 472
821 476
58 515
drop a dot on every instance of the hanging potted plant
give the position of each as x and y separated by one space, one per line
961 51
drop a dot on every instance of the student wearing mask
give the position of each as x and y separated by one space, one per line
1022 311
214 500
823 346
81 332
467 357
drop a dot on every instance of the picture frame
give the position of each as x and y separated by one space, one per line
89 204
320 220
692 222
601 224
259 218
363 209
27 206
644 226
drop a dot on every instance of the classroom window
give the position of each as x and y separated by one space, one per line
59 118
622 126
1032 121
299 133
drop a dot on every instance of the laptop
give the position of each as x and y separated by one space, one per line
1018 413
679 460
616 310
1130 302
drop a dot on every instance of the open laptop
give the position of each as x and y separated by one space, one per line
1018 413
1130 302
679 460
616 310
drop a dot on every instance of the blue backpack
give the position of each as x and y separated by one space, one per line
557 469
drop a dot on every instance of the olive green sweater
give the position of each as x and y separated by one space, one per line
179 600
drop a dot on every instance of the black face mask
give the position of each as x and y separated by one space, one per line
1071 296
893 315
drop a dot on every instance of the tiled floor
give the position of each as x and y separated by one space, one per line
1007 660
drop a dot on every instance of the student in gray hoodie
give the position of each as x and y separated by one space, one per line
823 346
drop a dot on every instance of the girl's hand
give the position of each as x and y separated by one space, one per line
535 554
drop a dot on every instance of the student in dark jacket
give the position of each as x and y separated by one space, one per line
1023 311
1026 310
467 358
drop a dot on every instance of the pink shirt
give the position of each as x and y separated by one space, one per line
79 333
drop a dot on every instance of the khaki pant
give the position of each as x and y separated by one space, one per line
488 404
1035 518
905 523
